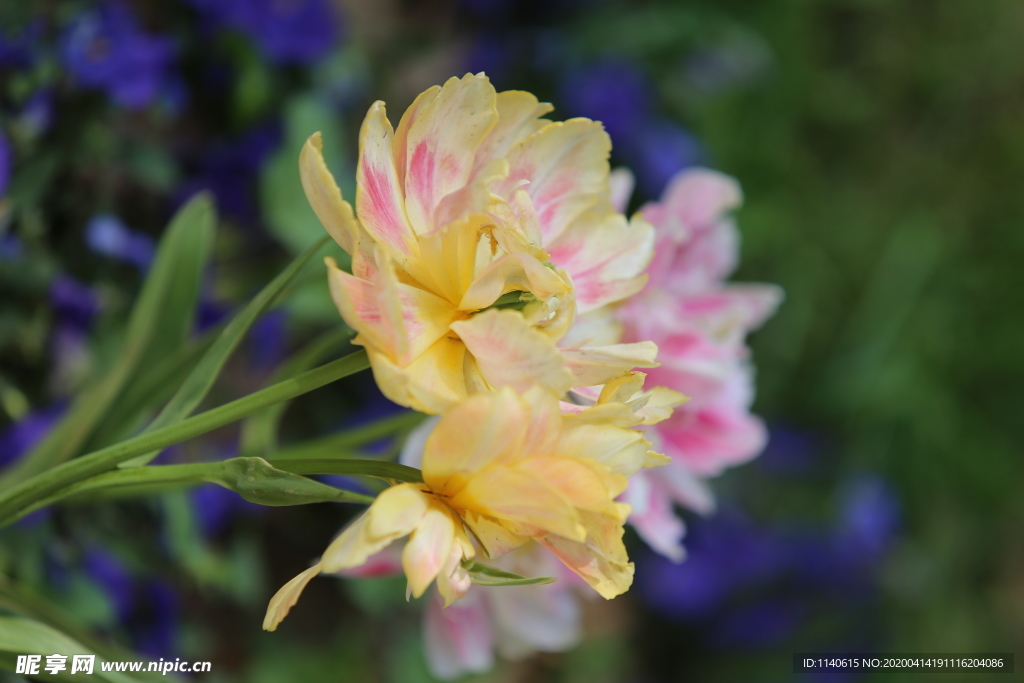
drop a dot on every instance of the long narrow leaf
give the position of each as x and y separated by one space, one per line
202 377
160 319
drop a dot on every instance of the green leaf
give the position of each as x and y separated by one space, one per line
366 468
202 377
258 482
20 636
259 432
159 324
484 575
16 501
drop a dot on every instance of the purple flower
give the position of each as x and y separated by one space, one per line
106 234
230 169
286 31
216 506
104 48
74 304
17 47
23 435
869 516
268 339
155 621
37 114
113 577
657 151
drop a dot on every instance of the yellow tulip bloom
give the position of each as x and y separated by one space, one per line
501 469
480 231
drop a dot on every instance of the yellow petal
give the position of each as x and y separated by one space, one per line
566 166
449 256
508 352
323 194
400 320
495 538
442 144
285 598
519 115
512 273
621 450
587 484
518 496
428 549
623 388
485 429
607 577
400 507
600 364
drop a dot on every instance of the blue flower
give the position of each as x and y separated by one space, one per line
74 304
286 31
104 48
106 234
113 577
17 47
22 436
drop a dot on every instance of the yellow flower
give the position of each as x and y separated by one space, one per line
480 231
504 468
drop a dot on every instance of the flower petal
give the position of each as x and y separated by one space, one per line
380 202
442 145
285 598
566 165
512 273
428 548
600 364
508 352
323 194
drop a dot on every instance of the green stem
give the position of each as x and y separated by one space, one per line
366 468
43 485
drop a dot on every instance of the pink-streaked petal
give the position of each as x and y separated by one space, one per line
508 352
428 549
400 320
566 165
605 256
457 640
442 145
654 519
518 117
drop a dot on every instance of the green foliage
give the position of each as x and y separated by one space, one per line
484 575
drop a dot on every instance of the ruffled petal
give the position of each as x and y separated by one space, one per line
566 166
323 194
442 144
600 364
512 273
509 352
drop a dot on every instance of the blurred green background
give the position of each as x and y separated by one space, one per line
880 147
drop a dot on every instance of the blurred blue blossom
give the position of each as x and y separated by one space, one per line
20 437
268 339
154 623
10 247
73 303
105 48
790 452
216 507
230 170
106 234
286 31
113 577
37 113
619 94
17 47
754 586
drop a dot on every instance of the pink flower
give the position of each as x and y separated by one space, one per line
700 324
